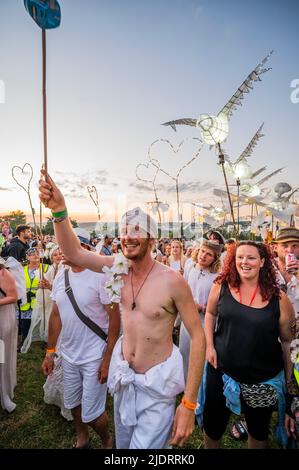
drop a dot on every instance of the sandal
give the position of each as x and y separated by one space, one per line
238 431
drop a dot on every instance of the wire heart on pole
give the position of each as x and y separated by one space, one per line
146 168
25 185
93 194
150 172
175 150
175 178
26 173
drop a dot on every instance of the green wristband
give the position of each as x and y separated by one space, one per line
60 214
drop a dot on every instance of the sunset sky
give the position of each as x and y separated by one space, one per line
118 69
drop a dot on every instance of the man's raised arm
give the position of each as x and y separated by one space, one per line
53 199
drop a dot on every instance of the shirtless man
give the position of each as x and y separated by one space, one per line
146 370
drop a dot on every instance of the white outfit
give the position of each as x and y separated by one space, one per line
292 289
176 265
38 330
78 343
54 390
8 362
81 349
82 387
200 282
144 404
188 265
17 270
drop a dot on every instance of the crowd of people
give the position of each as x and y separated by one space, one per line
107 312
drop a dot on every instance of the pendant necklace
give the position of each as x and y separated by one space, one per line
135 296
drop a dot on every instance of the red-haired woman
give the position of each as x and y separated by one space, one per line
248 332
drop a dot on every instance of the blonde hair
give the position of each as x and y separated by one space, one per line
215 266
182 256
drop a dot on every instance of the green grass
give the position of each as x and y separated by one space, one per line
35 425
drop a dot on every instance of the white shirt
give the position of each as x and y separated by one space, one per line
200 282
79 344
188 265
176 265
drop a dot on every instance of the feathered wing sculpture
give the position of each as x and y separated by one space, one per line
266 178
252 144
215 128
258 172
231 167
254 189
245 87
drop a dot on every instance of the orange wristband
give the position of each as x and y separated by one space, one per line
188 404
51 351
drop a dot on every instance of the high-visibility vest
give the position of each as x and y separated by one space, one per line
31 286
296 369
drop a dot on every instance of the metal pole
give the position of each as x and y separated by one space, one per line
178 206
44 93
238 193
221 162
44 58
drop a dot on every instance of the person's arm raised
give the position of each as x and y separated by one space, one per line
53 199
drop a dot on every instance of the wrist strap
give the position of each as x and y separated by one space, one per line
51 351
60 214
188 404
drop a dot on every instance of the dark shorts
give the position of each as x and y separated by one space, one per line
216 414
24 327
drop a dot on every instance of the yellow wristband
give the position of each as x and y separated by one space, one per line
188 404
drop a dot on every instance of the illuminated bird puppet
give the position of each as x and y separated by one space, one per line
214 129
240 167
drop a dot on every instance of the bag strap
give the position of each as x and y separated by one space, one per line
87 321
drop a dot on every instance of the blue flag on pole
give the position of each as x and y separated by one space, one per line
45 13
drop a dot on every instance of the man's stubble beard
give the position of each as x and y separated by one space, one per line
142 253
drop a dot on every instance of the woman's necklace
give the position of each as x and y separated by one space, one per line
252 298
135 296
201 272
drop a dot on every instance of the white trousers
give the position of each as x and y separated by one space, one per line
144 404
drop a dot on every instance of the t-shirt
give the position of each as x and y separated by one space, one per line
188 265
106 250
200 282
79 344
176 265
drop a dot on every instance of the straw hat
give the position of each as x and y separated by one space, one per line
287 234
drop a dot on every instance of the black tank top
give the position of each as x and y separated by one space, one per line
246 339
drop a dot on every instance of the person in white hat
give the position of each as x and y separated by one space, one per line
85 353
146 371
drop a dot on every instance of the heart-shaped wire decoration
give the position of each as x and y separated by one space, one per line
22 169
156 167
175 151
93 194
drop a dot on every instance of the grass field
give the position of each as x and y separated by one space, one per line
35 425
